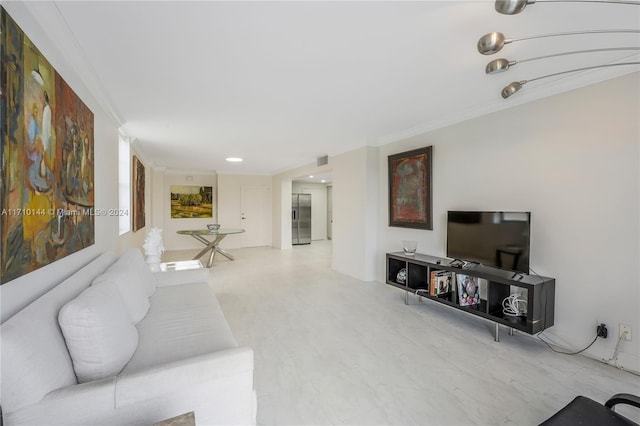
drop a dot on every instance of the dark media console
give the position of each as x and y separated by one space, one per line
497 285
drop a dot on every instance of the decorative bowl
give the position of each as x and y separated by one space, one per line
409 247
213 226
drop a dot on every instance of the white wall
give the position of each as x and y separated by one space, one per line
282 212
173 240
355 213
20 292
158 198
573 161
230 204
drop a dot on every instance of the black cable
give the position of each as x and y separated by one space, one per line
565 353
539 335
544 323
537 275
544 326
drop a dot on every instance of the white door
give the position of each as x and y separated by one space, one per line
256 215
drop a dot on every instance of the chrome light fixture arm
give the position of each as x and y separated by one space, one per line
493 42
500 65
513 7
577 33
515 86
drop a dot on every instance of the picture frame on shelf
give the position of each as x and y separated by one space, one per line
410 189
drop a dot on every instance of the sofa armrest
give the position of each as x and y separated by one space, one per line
76 404
218 387
155 382
170 278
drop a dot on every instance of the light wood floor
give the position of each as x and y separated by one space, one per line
330 349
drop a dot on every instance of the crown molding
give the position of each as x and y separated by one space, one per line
48 16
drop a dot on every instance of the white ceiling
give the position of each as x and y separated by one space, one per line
281 83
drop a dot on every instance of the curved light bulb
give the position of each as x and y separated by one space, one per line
498 65
512 88
512 7
492 43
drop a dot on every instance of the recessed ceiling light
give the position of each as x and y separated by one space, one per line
323 181
234 159
310 176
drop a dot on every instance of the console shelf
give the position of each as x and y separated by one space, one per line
496 285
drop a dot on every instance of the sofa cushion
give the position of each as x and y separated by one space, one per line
131 291
134 280
184 321
98 332
132 261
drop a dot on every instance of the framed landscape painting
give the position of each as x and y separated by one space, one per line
410 189
191 202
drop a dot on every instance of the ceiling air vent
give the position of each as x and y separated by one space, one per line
323 161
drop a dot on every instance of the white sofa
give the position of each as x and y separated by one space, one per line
117 344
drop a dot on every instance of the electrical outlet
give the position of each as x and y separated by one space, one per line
601 331
624 328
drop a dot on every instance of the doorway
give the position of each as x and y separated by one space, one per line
318 186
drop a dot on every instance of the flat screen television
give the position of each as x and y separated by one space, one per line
497 239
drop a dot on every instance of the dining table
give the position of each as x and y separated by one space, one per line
211 239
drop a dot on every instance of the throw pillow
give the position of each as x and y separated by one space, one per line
100 337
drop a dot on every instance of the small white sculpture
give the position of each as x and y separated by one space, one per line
153 246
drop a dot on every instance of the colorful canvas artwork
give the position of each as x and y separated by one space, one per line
47 180
410 189
189 202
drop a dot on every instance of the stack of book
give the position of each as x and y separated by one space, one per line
441 282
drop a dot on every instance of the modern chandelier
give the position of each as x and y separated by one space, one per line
493 42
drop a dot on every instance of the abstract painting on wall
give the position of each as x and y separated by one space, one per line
410 189
138 194
46 175
189 202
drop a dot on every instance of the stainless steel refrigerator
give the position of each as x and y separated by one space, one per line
300 219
